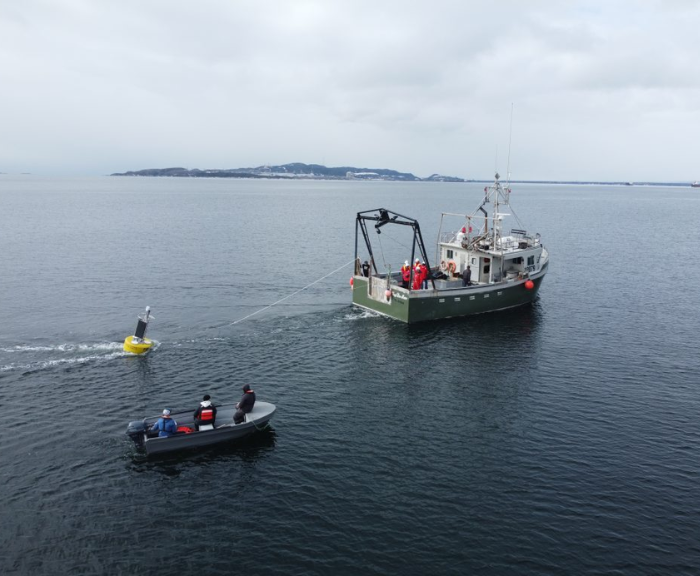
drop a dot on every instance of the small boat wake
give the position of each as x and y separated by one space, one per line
34 358
68 347
360 314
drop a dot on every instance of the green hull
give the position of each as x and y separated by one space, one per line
423 305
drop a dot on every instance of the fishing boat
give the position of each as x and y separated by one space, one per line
695 184
506 269
188 436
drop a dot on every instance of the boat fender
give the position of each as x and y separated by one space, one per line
388 294
351 282
452 266
529 285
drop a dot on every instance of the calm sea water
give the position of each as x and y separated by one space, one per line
561 438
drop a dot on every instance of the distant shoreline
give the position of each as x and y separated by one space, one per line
301 171
242 175
296 170
138 174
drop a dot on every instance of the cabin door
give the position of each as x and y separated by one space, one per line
484 270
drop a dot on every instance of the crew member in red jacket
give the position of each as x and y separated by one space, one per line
405 274
417 276
424 275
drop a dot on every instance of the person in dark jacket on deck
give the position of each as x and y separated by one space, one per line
467 276
205 413
245 405
165 425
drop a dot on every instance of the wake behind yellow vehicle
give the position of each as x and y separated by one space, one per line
138 343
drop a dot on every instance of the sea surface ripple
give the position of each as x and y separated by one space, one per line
560 438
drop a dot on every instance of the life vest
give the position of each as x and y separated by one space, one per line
206 415
406 273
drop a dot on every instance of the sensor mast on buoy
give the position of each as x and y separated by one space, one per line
138 343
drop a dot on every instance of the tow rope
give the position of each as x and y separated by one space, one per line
292 294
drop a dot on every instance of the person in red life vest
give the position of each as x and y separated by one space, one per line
245 405
417 279
405 274
417 276
205 412
165 425
424 273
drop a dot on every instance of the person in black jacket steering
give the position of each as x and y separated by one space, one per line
245 405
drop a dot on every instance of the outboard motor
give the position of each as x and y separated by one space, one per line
137 432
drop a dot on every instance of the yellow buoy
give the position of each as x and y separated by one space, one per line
137 345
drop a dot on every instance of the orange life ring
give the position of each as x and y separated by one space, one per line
452 266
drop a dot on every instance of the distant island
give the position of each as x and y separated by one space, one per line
294 170
298 170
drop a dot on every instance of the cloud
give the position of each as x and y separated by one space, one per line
599 90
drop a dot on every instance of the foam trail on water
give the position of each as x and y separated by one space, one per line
112 350
45 364
361 315
68 347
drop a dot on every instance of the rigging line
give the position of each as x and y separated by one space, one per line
381 247
399 243
293 294
510 140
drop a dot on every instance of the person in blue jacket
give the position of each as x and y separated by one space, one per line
165 425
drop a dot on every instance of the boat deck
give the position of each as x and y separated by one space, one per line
224 416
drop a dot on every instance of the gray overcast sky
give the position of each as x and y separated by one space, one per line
601 90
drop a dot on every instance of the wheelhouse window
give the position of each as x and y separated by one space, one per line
530 260
450 254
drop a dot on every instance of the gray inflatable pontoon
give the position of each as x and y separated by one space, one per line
224 429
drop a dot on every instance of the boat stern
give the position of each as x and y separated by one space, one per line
136 430
373 294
